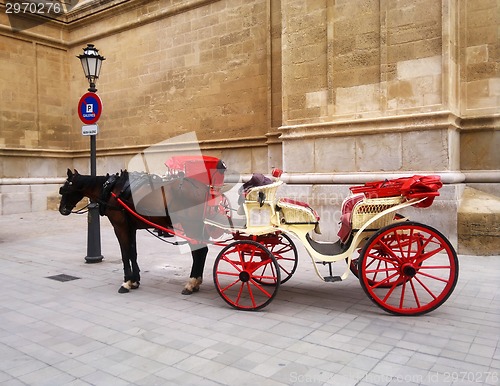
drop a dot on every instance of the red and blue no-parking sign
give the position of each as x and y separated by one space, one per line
89 108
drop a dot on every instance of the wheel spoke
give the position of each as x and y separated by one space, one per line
386 281
240 292
375 271
401 301
426 288
288 272
389 251
232 263
433 277
229 286
258 265
399 246
380 258
250 293
415 295
391 290
227 273
260 288
282 250
428 255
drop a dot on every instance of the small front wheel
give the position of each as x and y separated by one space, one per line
239 271
408 268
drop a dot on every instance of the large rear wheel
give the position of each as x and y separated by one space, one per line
240 270
408 268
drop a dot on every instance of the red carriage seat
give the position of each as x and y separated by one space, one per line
345 218
406 188
409 187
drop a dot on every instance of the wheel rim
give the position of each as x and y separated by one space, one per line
416 273
285 252
239 273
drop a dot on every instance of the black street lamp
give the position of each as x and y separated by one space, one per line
91 63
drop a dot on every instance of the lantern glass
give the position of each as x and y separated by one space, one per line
91 63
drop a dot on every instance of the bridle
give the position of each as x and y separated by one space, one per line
83 210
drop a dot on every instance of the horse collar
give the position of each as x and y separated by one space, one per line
107 187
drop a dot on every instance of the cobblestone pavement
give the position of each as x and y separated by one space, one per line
83 332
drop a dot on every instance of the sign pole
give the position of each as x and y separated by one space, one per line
94 227
89 110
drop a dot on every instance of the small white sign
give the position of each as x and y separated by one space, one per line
90 130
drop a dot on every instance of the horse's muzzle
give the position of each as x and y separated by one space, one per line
65 211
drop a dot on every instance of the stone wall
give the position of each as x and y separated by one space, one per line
168 71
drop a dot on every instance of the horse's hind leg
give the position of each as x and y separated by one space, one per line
196 276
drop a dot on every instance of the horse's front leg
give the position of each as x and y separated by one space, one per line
128 247
196 276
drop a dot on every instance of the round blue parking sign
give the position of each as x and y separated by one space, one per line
89 108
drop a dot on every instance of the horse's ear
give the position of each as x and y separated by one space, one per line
76 171
69 173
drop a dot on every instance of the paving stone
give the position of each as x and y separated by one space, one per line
83 332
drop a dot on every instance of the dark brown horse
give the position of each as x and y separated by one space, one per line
178 202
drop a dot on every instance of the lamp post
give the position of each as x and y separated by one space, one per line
91 63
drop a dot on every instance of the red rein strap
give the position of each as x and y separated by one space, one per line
146 221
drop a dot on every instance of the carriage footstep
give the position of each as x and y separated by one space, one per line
332 279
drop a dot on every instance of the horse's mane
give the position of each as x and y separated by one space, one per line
82 181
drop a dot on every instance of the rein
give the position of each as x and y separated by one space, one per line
152 224
87 207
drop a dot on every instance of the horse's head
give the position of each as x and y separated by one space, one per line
71 193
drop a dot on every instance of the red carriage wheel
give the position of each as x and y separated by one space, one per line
239 272
285 252
408 268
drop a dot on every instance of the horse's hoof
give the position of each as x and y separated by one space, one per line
135 285
123 290
186 291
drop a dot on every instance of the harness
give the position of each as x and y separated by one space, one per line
107 188
133 181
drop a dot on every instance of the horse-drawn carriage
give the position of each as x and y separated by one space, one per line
404 267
